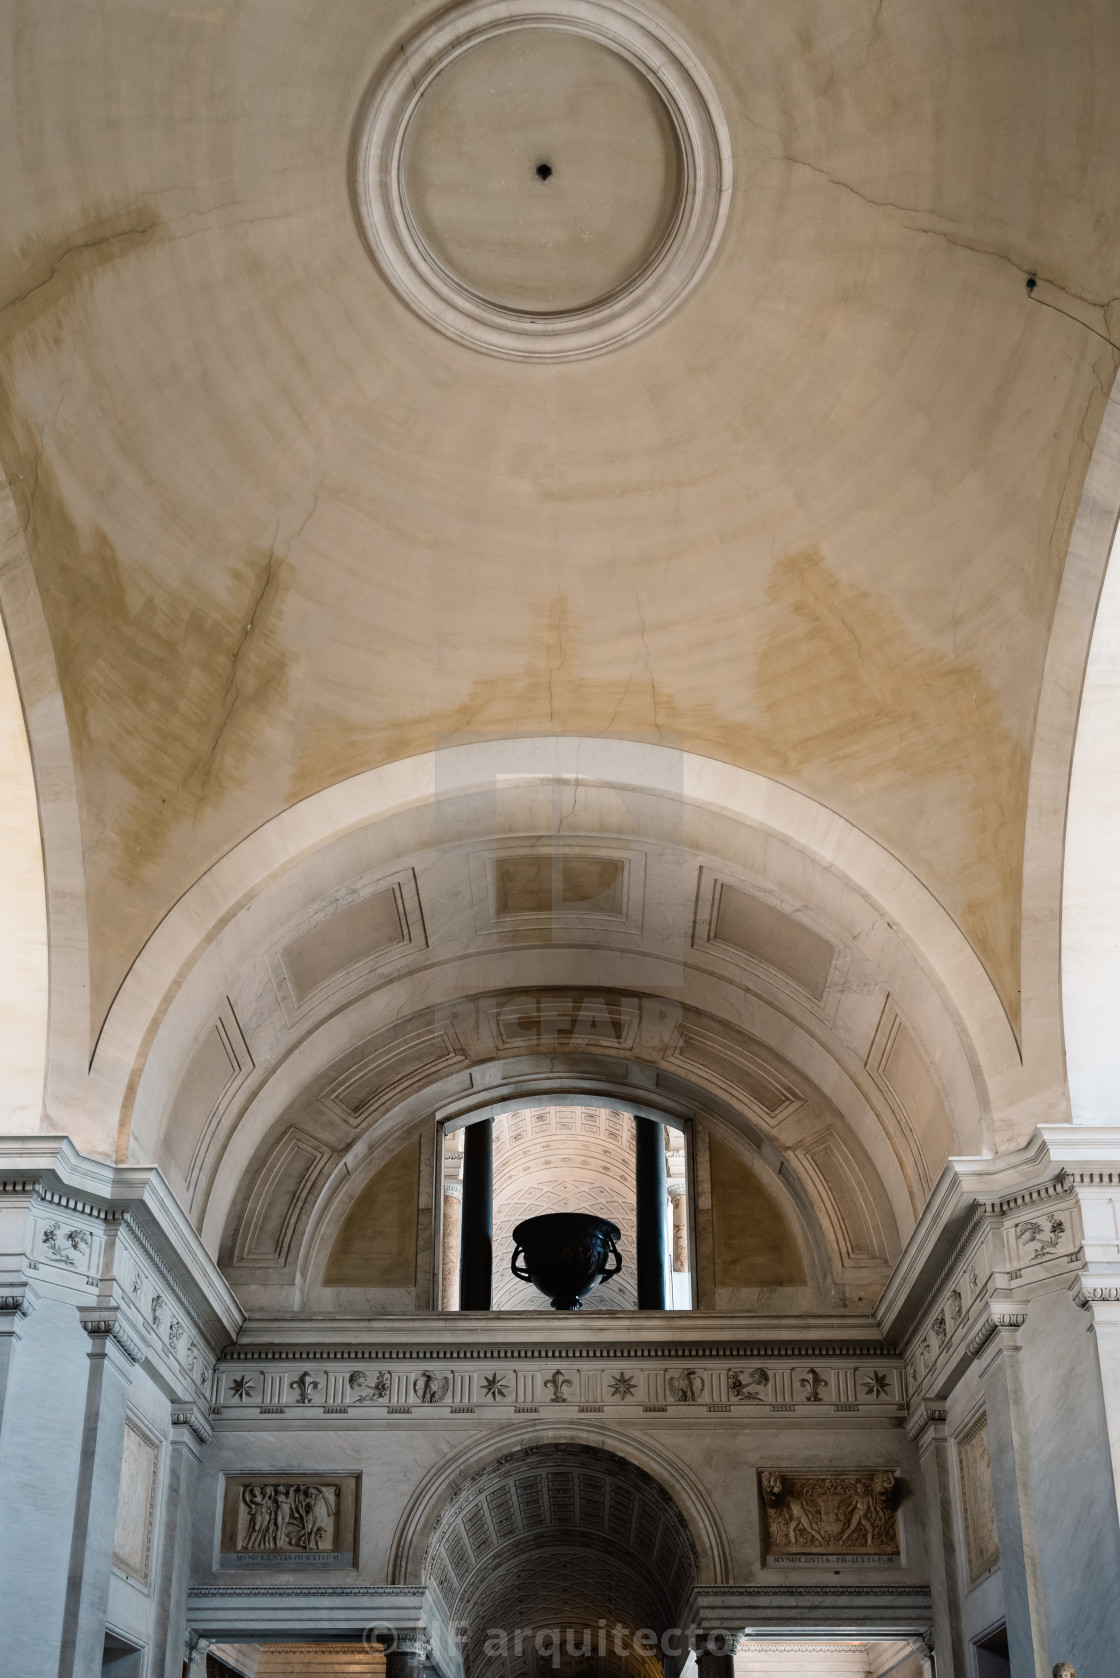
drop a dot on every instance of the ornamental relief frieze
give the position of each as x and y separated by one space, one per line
841 1516
126 1279
986 1286
290 1521
399 1387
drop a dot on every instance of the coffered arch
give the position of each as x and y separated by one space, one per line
560 1530
444 1483
515 902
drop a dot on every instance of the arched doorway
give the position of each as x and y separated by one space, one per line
563 1557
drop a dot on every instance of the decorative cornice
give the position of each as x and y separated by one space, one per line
968 1193
51 1171
167 1280
597 1352
290 1593
43 1194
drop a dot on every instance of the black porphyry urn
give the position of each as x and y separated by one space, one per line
566 1255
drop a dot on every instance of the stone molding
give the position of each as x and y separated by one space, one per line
20 1303
111 1241
648 42
214 1611
476 1350
51 1175
760 1383
997 1231
869 1610
866 1609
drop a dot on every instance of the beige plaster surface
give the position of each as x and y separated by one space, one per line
813 525
525 101
23 922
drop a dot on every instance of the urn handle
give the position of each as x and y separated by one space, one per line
617 1256
522 1275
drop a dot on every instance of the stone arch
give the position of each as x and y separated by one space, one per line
1069 902
803 1180
561 1535
414 1531
194 1066
25 972
835 847
1090 923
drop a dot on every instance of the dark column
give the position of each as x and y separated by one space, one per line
653 1250
476 1251
406 1658
715 1654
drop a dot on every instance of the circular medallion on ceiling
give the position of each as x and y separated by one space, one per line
543 179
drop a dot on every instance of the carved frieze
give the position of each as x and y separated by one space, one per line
295 1521
64 1244
514 1380
751 1385
368 1389
687 1387
849 1516
1035 1237
431 1389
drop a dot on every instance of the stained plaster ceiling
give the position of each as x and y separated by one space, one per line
813 523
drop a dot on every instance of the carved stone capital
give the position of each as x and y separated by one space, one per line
194 1420
924 1415
15 1305
416 1643
110 1327
1092 1290
996 1317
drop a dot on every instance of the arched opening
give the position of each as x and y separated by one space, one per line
572 1155
563 1557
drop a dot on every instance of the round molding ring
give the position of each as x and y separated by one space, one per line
648 44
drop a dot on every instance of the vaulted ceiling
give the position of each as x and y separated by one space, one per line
813 523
